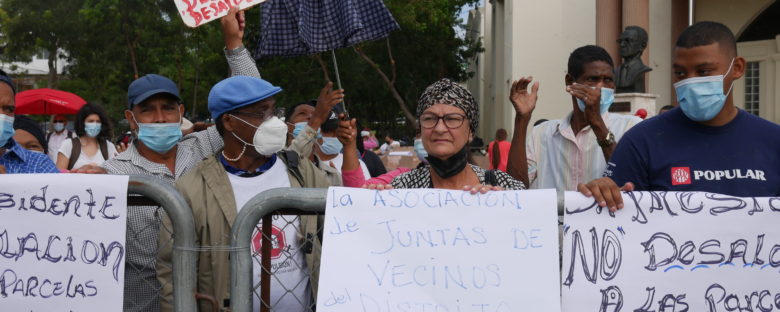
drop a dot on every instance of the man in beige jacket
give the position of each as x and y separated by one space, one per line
252 161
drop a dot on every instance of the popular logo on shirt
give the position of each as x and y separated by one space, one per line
681 175
729 174
278 241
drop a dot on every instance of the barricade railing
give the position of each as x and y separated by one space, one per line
156 192
287 201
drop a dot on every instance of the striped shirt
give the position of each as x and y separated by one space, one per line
16 159
560 159
142 289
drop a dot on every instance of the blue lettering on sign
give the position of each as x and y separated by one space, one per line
340 200
429 238
526 239
338 298
438 198
386 303
349 227
432 274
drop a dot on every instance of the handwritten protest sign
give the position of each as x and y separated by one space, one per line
62 239
439 250
672 251
198 12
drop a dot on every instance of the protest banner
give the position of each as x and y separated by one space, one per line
672 251
198 12
439 250
62 242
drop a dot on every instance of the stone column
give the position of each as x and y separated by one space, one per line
608 27
679 23
679 18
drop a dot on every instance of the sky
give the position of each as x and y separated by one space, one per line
464 16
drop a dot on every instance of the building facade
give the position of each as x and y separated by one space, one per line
534 38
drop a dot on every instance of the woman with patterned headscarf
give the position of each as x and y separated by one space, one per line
448 116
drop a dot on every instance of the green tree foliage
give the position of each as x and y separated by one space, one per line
424 50
109 43
34 26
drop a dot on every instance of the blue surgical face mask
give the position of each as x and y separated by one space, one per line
330 146
702 98
59 126
299 126
607 97
419 149
159 137
6 129
92 129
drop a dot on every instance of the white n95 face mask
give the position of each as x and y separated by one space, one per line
270 137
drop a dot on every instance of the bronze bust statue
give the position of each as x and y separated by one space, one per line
630 76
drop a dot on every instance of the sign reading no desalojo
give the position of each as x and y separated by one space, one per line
439 250
672 251
62 242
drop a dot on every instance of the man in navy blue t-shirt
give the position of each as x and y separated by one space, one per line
706 144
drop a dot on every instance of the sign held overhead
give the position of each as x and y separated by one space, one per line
198 12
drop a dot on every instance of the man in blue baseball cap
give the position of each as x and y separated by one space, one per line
13 157
254 160
155 113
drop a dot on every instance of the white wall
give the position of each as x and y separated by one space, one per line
534 38
767 53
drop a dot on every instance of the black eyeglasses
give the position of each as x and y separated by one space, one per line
451 121
264 115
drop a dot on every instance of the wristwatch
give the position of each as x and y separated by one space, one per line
608 140
234 51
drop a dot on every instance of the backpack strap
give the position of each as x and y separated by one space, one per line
75 151
491 178
103 148
48 137
290 158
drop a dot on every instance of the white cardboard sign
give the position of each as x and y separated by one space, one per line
439 250
672 251
62 242
198 12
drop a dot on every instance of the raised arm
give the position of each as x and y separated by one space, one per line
238 58
524 103
302 144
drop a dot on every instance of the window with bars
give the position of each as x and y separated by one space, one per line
752 88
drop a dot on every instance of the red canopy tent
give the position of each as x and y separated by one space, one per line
47 102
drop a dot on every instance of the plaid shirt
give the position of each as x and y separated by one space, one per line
143 222
16 159
294 27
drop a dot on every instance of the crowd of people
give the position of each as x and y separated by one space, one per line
705 144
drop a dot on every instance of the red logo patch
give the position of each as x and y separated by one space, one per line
681 175
277 240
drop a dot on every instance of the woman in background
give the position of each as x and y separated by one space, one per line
93 145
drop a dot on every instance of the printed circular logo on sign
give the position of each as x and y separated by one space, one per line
278 241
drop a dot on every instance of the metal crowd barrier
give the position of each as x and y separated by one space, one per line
301 201
184 259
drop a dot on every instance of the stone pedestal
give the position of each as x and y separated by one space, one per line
629 103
